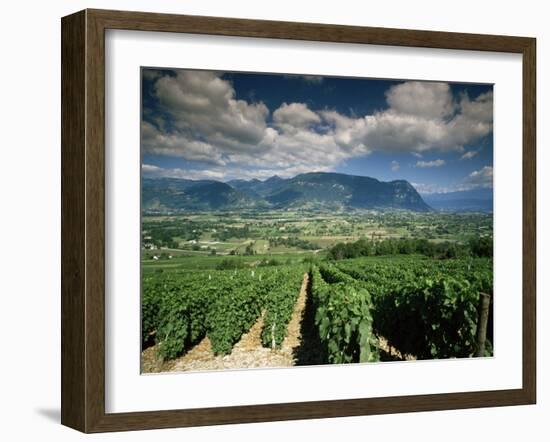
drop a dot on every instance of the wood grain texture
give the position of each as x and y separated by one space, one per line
83 220
144 21
529 221
73 255
95 221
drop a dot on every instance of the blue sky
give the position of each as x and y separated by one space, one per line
223 126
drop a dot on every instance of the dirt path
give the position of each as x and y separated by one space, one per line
293 336
247 353
391 353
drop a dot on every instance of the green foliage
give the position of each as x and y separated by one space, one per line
423 307
249 250
269 262
292 241
228 264
280 305
480 247
180 309
343 317
310 259
232 232
426 308
233 313
183 312
430 317
150 306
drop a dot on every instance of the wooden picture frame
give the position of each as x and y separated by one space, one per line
83 220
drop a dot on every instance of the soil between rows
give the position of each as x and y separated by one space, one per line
297 347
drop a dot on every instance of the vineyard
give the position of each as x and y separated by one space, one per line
180 309
357 309
424 308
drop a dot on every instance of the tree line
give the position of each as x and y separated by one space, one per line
481 246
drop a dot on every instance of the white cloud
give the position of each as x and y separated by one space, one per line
177 145
201 119
421 99
223 173
433 163
469 155
482 178
421 117
479 178
209 124
204 105
150 169
151 74
394 166
474 120
391 131
431 188
290 117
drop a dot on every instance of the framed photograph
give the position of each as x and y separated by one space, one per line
266 221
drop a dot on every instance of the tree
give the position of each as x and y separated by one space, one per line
249 250
482 246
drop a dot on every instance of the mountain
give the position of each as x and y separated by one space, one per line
316 190
258 188
476 200
336 190
179 194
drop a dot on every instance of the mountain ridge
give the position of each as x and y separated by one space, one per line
311 190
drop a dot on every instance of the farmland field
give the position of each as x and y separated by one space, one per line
227 291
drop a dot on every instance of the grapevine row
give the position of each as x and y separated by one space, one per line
425 308
181 309
343 317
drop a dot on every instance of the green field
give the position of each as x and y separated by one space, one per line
424 308
201 240
381 284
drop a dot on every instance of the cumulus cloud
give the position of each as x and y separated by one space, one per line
482 178
219 173
434 163
177 144
479 178
421 99
208 123
421 117
474 120
198 117
469 155
204 105
290 117
151 74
